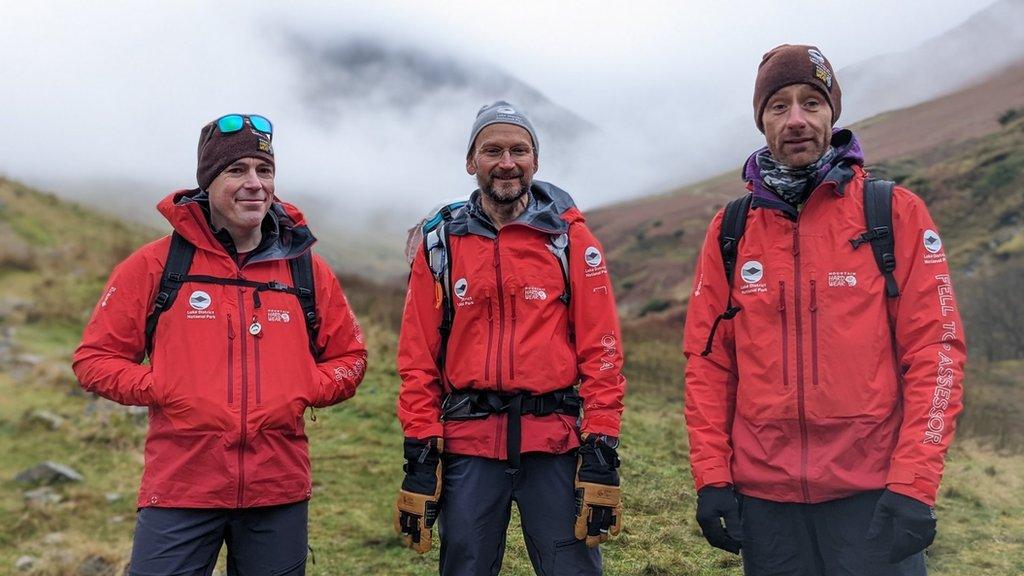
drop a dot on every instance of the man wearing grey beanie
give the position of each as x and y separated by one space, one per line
825 352
511 362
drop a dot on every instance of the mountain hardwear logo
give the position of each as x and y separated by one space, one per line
752 272
200 300
932 242
842 279
461 287
506 110
278 316
535 293
592 256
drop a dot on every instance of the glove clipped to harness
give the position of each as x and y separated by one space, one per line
598 496
417 507
715 505
913 524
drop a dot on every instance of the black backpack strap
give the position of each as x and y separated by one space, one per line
179 260
448 312
305 290
878 218
734 223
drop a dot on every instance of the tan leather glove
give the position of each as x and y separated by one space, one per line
598 496
417 506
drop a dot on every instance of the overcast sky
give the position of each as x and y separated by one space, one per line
119 90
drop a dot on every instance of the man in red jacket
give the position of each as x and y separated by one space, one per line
822 386
233 363
511 364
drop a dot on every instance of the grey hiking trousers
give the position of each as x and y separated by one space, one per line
477 503
824 539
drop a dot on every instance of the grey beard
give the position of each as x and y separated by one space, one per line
488 191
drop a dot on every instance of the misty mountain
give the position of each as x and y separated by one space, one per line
985 43
354 75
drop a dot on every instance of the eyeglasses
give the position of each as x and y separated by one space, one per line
235 122
516 152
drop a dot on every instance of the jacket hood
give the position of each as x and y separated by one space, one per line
848 154
286 234
550 209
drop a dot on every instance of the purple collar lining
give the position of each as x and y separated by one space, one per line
848 153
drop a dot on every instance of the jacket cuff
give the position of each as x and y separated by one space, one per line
425 432
721 476
908 482
607 423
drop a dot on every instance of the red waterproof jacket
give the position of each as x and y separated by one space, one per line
511 332
806 396
225 406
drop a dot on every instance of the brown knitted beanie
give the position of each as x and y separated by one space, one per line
790 64
218 150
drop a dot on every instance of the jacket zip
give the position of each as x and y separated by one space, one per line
245 398
785 335
231 362
490 340
814 334
801 408
512 343
499 422
501 311
256 357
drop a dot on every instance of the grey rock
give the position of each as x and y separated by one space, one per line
47 418
96 566
48 472
30 359
42 496
25 563
15 309
54 538
112 497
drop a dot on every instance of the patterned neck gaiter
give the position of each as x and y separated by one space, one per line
793 185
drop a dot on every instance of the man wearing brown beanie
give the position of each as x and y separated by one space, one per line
824 349
244 328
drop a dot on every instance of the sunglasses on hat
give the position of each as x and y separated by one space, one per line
234 122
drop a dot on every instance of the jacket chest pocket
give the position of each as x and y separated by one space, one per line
764 329
851 356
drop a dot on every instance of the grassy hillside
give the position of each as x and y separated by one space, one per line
86 528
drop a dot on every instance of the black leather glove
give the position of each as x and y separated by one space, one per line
598 497
417 506
913 524
713 506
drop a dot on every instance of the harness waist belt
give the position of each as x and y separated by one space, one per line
477 404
